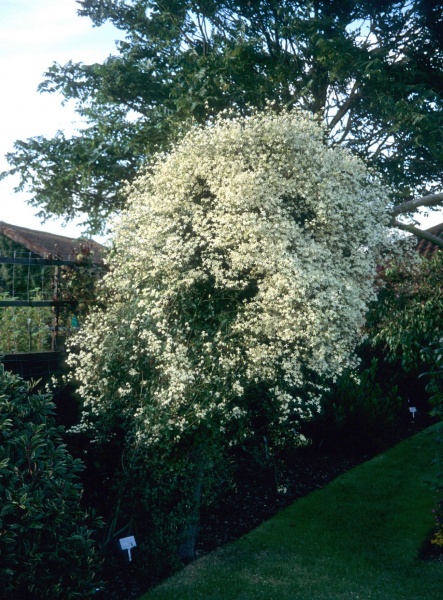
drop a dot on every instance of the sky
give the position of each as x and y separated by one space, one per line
33 35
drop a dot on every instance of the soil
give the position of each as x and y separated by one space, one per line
259 493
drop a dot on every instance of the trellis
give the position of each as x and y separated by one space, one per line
49 296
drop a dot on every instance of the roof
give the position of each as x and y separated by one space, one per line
428 248
50 245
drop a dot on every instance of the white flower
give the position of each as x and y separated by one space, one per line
245 257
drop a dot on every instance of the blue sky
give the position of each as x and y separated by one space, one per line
34 34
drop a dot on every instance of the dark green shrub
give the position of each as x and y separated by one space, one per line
358 414
46 548
408 315
433 355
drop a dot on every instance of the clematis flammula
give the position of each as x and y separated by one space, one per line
238 284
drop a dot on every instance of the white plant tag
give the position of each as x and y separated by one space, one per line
127 543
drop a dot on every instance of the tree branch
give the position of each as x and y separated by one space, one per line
425 235
411 205
381 147
346 129
345 107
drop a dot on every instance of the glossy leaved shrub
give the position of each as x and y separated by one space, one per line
46 544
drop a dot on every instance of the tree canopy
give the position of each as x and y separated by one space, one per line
371 70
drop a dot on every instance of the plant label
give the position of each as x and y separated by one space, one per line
127 543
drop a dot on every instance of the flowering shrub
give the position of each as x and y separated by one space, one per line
239 279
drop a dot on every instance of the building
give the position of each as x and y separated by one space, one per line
47 245
428 248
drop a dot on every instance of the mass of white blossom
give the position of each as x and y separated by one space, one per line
245 260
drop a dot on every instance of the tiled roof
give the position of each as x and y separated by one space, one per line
428 248
49 245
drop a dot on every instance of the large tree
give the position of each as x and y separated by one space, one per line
370 69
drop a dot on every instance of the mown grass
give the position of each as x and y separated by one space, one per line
359 537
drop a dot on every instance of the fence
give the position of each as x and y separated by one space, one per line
39 299
35 365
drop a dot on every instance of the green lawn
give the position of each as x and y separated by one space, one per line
359 537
